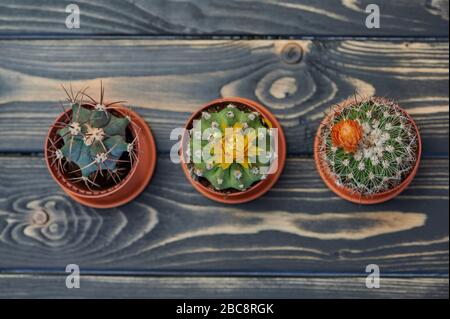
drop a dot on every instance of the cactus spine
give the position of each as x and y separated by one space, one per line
369 146
93 139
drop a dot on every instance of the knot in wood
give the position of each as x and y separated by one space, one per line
292 53
40 217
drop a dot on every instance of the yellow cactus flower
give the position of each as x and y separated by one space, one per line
238 147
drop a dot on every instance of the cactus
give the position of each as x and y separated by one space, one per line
242 161
369 146
93 139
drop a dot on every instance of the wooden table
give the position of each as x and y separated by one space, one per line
168 57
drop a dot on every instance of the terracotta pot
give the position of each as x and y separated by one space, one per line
126 190
346 193
260 187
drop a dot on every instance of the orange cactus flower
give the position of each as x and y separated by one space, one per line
347 134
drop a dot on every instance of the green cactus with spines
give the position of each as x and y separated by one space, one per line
386 153
94 139
222 176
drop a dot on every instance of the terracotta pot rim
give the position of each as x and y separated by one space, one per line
111 197
260 187
351 195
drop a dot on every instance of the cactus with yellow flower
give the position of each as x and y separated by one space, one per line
230 148
369 146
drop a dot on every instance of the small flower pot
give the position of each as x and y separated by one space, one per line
329 178
258 188
130 186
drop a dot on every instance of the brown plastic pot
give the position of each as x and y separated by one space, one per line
127 189
260 187
346 193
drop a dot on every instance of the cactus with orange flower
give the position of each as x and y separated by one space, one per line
231 148
369 146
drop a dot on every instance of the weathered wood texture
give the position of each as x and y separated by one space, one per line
231 17
167 80
310 242
53 286
298 227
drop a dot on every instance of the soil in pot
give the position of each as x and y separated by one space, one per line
367 150
235 180
101 154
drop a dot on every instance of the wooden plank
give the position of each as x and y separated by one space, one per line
298 227
167 80
53 286
231 17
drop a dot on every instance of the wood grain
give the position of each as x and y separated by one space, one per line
299 240
298 227
231 17
53 286
167 80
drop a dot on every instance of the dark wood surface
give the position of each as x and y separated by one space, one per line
231 17
298 227
298 240
167 80
51 286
